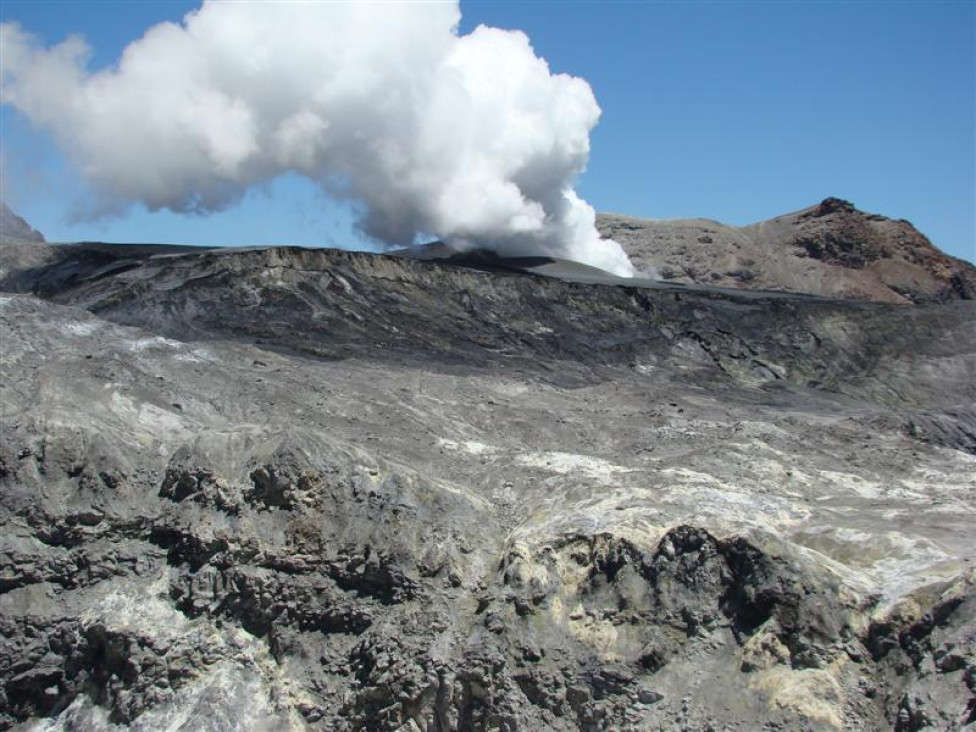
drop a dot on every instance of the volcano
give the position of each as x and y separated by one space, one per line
317 489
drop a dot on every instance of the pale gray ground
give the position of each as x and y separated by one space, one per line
311 489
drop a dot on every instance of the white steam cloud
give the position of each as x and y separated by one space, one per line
469 138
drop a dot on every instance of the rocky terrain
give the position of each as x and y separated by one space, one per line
14 229
310 489
830 249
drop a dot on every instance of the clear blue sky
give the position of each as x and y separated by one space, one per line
736 111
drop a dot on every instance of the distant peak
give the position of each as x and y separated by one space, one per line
834 205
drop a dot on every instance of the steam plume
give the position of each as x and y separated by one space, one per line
469 138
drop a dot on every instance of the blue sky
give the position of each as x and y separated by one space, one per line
736 111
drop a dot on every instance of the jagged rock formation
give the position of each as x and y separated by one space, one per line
294 489
831 249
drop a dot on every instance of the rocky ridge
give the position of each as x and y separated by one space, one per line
308 489
830 249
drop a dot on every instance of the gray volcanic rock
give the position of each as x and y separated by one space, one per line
830 249
14 229
308 489
23 248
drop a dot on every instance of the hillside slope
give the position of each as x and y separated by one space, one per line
15 229
831 249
